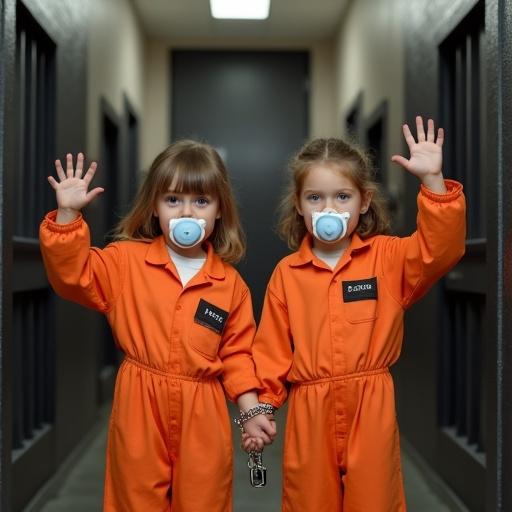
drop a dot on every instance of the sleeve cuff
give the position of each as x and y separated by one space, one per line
270 399
51 225
235 389
453 191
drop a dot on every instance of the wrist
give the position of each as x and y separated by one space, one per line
259 408
66 215
247 401
434 182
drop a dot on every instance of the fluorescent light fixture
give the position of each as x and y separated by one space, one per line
240 9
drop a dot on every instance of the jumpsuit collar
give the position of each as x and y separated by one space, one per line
305 254
157 255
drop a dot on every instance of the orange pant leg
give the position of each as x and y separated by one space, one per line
138 469
342 449
373 479
311 478
203 470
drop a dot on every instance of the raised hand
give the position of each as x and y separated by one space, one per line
426 158
72 190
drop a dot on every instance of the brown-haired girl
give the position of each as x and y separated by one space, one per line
332 321
183 317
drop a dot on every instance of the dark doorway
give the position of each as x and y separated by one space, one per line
353 120
131 151
253 107
377 141
108 355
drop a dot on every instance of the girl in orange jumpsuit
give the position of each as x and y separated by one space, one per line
183 317
332 322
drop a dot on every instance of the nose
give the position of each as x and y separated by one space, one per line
329 203
186 210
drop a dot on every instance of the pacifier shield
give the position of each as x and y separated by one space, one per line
330 226
186 232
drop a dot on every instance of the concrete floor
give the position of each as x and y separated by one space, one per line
82 488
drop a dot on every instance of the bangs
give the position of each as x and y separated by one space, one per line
192 172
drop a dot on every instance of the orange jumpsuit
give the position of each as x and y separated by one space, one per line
169 430
328 338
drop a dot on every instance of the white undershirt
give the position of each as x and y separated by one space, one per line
330 258
187 267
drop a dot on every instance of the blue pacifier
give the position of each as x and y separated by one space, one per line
329 225
187 231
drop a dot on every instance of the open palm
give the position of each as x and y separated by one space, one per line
426 154
72 191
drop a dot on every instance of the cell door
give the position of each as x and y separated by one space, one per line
252 106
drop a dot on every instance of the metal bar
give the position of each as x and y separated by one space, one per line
22 87
460 100
17 403
30 189
473 371
467 128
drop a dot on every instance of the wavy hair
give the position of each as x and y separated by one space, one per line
350 160
198 169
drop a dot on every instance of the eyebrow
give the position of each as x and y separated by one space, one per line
199 194
311 190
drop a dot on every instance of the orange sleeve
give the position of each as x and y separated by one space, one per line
239 375
273 346
432 250
77 272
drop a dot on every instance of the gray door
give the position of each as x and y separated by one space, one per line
253 107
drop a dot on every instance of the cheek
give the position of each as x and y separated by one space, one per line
353 222
308 221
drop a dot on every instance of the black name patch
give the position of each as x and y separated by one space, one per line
362 289
211 316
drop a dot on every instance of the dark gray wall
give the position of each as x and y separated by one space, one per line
65 21
417 374
499 58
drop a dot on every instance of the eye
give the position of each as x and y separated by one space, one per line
313 198
172 200
343 197
202 201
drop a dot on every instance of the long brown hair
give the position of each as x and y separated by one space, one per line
198 169
356 165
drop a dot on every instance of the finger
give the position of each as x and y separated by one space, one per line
93 193
60 170
408 136
269 429
400 160
79 165
69 165
266 439
430 130
53 182
440 137
420 129
89 175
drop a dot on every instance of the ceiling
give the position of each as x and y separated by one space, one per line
289 21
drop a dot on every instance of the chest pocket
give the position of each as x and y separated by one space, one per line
206 331
360 300
205 341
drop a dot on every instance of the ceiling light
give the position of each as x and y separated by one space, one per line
240 9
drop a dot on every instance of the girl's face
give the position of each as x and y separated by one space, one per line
175 205
327 186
